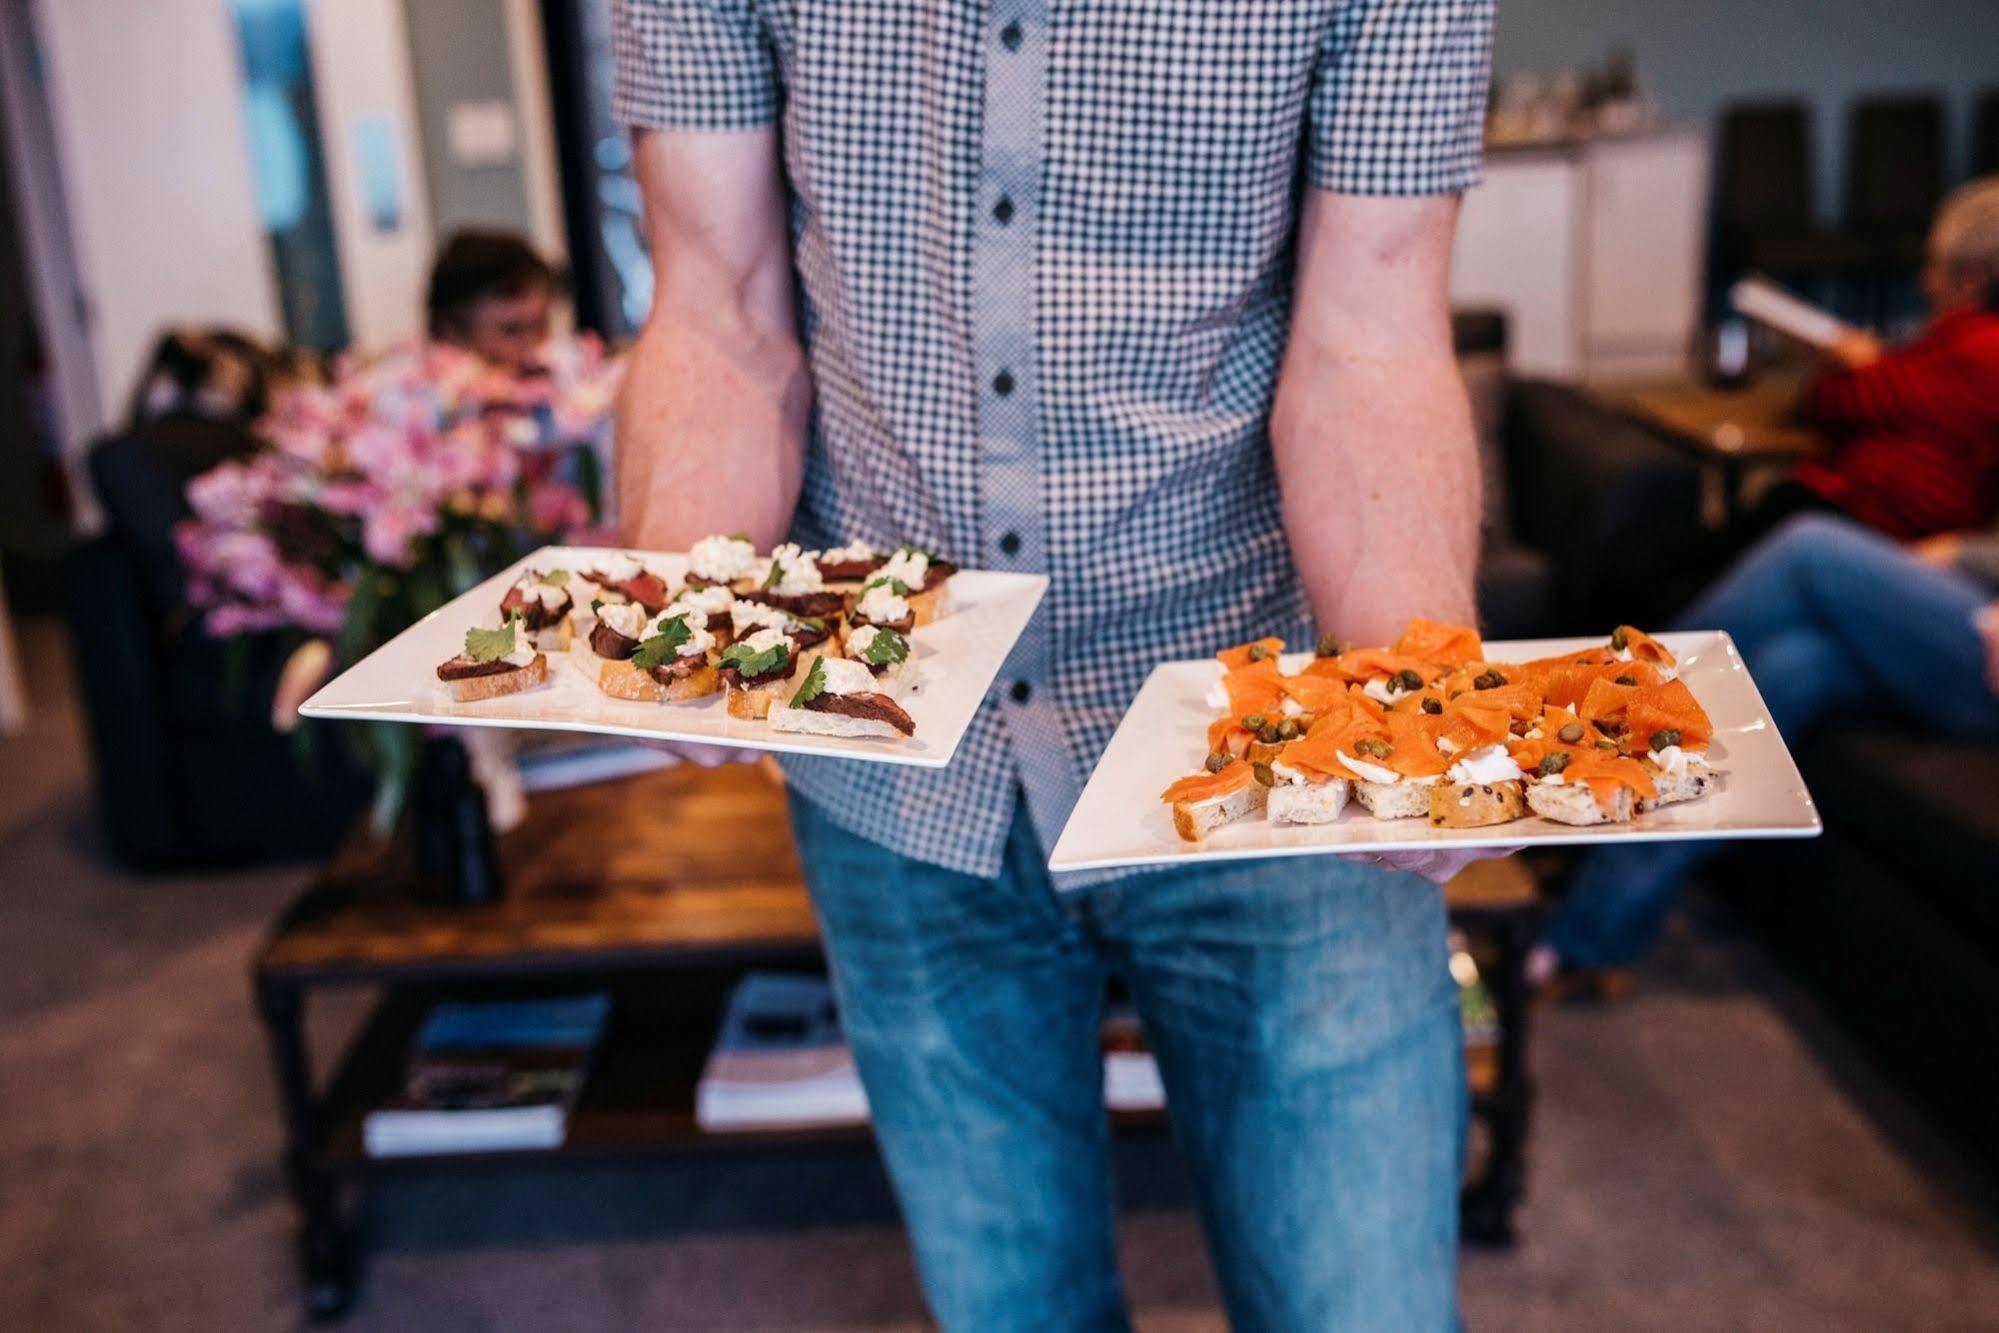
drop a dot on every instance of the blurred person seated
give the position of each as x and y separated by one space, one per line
1913 431
492 295
1830 617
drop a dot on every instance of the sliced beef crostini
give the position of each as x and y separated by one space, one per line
495 662
927 578
624 578
846 568
619 627
791 582
716 605
884 604
724 562
885 654
809 637
675 660
543 603
757 671
841 697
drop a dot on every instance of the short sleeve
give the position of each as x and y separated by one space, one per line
1399 96
692 65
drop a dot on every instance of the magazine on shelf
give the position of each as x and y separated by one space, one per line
782 1061
491 1076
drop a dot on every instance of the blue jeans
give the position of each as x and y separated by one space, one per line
1829 617
1306 1028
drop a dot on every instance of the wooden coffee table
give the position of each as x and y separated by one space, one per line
1730 432
664 889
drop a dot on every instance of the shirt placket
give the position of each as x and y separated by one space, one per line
1013 522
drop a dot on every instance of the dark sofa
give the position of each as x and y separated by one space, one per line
188 771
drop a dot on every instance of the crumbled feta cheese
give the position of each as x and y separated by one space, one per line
797 571
709 601
626 618
532 589
622 568
765 639
881 604
1671 759
912 567
853 553
721 559
844 676
861 639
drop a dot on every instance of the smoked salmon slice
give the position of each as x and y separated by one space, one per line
1242 656
1234 776
1445 645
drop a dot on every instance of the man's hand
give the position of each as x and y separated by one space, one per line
1856 350
1439 866
1940 551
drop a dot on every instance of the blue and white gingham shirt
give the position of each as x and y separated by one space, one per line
1045 253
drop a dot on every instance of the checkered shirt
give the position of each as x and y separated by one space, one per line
1045 251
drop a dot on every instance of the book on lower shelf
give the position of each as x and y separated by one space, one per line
491 1076
781 1061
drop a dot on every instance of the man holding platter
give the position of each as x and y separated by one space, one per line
1150 299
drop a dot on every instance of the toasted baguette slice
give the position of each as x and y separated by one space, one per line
1689 784
557 637
754 704
1477 804
622 680
474 688
1574 803
1309 802
1193 820
931 604
811 722
1394 800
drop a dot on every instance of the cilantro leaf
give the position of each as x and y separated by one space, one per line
808 622
895 585
661 649
596 605
813 686
556 578
490 645
885 649
775 577
750 662
742 537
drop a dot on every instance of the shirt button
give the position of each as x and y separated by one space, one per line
1021 691
1010 36
1003 211
1010 544
1003 383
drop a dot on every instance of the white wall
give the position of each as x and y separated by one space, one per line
361 72
146 101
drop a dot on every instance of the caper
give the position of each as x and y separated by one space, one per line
1375 749
1432 707
1288 729
1406 679
1257 652
1264 777
1627 680
1217 762
1606 745
1255 722
1330 645
1553 763
1620 638
1664 737
1456 693
1571 733
1271 734
1488 680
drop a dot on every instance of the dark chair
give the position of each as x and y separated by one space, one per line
189 772
1985 134
1895 176
1765 201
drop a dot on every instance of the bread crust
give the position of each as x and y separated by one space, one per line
622 680
1193 820
1477 804
1394 800
474 688
1575 804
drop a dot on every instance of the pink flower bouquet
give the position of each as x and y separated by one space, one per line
389 491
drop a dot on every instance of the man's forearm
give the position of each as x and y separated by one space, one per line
1379 472
711 433
711 430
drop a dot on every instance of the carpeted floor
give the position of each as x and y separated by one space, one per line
1710 1155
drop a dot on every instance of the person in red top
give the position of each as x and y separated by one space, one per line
1913 431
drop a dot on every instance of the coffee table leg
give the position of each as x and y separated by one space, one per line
326 1253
